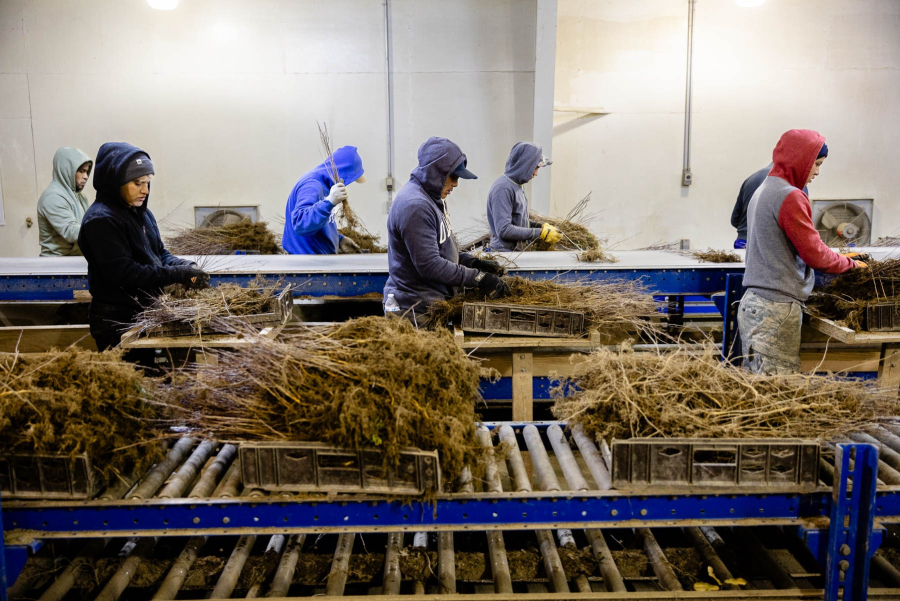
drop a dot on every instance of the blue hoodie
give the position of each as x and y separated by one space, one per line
507 206
424 262
309 227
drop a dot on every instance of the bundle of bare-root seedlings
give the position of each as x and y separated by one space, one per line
682 394
76 401
845 299
206 310
370 382
244 235
350 225
575 234
711 255
609 306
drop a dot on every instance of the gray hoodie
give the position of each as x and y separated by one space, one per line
60 208
424 262
507 206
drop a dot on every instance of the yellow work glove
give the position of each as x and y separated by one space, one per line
550 234
861 264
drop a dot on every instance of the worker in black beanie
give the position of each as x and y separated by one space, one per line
127 262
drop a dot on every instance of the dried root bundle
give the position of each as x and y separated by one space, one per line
607 305
369 382
597 255
76 401
573 228
886 241
627 395
205 308
225 239
715 256
845 298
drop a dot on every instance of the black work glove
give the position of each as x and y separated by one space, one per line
194 277
491 286
488 266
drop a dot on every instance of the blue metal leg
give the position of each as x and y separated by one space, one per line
851 524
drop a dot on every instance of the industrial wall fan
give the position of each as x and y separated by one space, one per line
219 216
844 222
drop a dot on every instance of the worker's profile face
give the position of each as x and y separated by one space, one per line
534 175
82 175
135 192
815 170
451 182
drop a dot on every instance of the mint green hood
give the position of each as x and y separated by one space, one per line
60 207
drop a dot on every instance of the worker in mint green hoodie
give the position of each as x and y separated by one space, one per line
62 205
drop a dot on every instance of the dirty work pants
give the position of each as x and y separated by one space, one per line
770 333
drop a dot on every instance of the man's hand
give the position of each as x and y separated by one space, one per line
347 247
491 286
195 277
488 266
337 194
550 234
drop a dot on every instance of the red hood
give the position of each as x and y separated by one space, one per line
795 154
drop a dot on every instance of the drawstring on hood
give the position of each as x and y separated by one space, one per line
795 154
523 159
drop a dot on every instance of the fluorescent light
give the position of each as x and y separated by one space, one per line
749 3
163 4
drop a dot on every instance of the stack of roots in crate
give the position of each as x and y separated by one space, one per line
846 298
372 382
76 401
695 395
244 235
179 310
609 306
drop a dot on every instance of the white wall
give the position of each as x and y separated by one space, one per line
828 65
225 95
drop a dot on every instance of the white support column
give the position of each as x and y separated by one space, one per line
544 74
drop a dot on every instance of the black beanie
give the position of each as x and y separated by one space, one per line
138 166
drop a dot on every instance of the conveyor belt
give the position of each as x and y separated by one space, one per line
542 536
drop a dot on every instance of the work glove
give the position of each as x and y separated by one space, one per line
193 277
861 264
857 256
337 194
491 286
348 247
489 266
550 234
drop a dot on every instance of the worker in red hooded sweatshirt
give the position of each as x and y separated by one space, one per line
783 249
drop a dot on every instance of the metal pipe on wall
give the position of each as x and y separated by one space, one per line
389 75
686 177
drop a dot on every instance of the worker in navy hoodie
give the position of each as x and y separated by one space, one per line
783 249
748 189
424 262
127 262
309 227
507 205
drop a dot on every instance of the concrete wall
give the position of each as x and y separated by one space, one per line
828 65
225 95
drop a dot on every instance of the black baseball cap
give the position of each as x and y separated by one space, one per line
462 172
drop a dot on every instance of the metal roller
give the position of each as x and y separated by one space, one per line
392 577
514 460
496 544
229 577
188 471
230 485
210 477
779 576
284 575
446 563
709 555
137 550
276 545
148 487
84 560
179 570
592 458
661 566
337 578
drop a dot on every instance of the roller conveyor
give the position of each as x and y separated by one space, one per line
543 519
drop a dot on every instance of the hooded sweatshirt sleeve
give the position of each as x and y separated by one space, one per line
167 258
795 218
419 226
58 211
311 211
117 263
501 199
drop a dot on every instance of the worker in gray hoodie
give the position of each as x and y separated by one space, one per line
424 262
62 205
507 205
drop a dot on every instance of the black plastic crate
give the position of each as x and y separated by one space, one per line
48 477
522 320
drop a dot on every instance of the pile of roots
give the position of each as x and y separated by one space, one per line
716 256
845 298
575 234
371 382
627 395
225 239
607 305
206 309
76 401
357 232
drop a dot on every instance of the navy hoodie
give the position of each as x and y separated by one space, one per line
309 227
507 206
127 262
424 262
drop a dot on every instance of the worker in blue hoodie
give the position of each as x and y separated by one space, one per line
507 205
127 262
424 262
309 227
